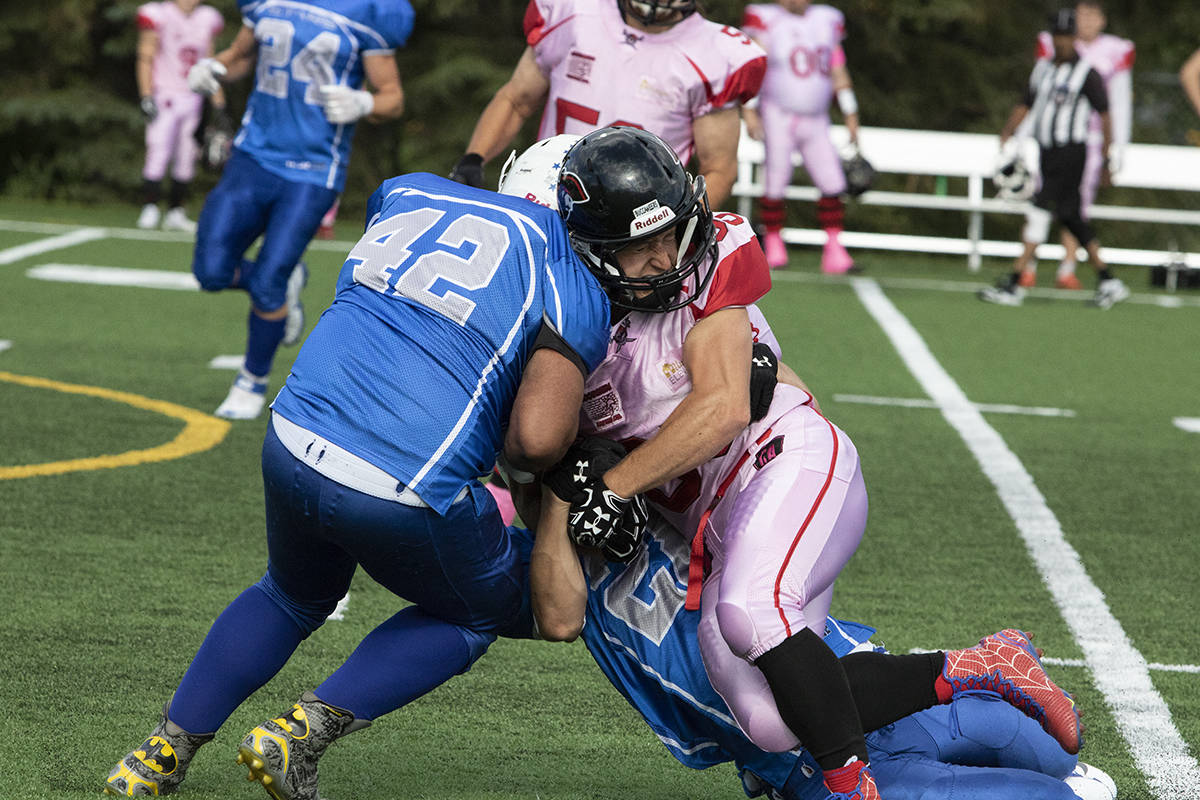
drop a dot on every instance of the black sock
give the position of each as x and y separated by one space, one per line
179 193
1105 274
887 687
151 192
814 698
1012 279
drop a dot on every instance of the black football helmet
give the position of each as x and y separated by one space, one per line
621 184
656 12
860 174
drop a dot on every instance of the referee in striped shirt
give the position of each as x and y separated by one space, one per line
1061 95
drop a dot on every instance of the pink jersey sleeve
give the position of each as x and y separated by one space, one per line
730 67
1126 56
755 19
214 20
1044 48
148 17
542 19
742 275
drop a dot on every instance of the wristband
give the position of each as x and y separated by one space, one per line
847 102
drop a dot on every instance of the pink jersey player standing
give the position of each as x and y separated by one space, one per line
173 35
806 68
652 64
1113 58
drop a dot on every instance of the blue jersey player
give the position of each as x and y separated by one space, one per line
463 326
310 59
646 643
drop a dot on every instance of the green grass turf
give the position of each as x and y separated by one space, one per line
113 577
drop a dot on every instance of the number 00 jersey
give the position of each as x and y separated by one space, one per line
415 365
301 47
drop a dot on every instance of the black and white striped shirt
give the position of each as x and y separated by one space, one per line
1061 98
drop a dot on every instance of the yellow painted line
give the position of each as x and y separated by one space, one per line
200 432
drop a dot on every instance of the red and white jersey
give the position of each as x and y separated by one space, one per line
1107 54
603 72
183 39
642 379
802 50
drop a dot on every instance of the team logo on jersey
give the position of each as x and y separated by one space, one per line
632 38
620 336
579 66
675 373
767 453
603 406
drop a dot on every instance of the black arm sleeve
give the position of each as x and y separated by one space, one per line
548 337
1093 90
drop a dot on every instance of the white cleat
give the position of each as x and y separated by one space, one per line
246 397
1111 292
1003 295
148 219
293 326
1091 783
176 220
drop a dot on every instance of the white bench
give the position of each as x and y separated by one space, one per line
973 156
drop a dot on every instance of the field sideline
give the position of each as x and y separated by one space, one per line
1037 467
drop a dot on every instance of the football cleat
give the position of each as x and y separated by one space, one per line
293 326
1028 279
148 219
775 250
1111 292
246 397
1091 783
834 258
1068 281
1003 294
157 766
177 220
282 753
1007 663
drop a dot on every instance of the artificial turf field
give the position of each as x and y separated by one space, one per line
1078 522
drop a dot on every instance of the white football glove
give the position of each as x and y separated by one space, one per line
204 74
344 105
1116 159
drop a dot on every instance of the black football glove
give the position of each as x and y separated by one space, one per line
598 517
468 170
764 374
149 108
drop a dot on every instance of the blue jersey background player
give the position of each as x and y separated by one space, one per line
458 310
645 643
310 59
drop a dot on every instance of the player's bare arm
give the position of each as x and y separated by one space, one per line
717 355
545 412
239 58
515 102
843 89
384 78
1189 76
1014 120
716 137
147 47
558 589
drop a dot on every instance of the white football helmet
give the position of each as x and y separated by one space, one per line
534 174
1014 180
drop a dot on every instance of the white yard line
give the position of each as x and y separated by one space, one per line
77 236
226 362
1120 672
988 408
1193 669
1189 424
5 344
115 276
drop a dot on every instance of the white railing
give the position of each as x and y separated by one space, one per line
973 156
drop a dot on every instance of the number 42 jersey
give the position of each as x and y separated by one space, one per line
301 47
415 365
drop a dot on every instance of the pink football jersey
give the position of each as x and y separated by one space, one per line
603 72
183 39
802 50
643 378
1108 54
